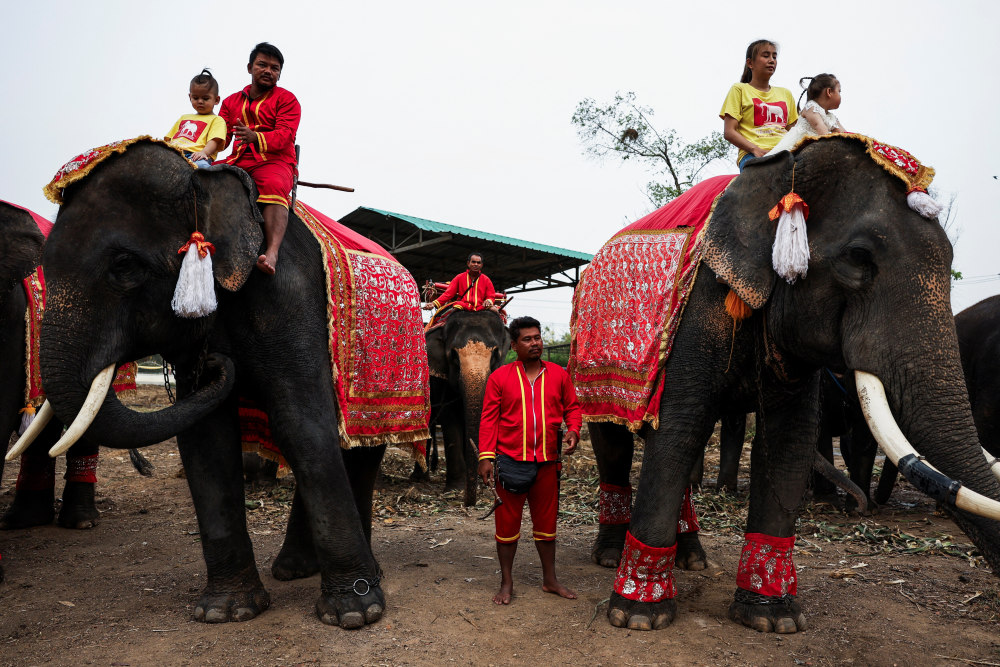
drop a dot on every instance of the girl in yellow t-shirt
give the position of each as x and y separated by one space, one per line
755 114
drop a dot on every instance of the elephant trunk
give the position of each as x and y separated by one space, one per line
474 361
927 395
117 426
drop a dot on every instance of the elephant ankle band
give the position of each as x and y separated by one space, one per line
615 508
36 473
81 469
645 573
766 565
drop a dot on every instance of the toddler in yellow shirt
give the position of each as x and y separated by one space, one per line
200 135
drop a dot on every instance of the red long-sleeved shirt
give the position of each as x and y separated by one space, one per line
274 116
478 296
522 419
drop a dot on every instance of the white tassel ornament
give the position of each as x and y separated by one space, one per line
27 416
194 295
790 253
923 203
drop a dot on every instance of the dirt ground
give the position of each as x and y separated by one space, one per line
903 587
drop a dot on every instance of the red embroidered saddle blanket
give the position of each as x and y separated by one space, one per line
628 305
377 349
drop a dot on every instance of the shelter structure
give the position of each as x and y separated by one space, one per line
435 251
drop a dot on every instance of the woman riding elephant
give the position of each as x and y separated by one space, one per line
330 348
867 291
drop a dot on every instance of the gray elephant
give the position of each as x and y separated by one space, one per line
21 242
461 354
874 301
112 264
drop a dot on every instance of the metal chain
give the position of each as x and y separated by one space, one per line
167 372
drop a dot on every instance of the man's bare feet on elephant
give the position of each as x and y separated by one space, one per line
505 593
267 262
555 587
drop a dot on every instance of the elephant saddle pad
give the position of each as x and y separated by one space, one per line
377 349
628 305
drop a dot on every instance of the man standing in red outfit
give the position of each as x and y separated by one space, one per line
263 120
470 290
525 404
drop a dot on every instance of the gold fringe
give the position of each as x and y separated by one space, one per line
921 181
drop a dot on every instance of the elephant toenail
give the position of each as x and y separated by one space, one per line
215 616
352 620
662 621
800 621
761 624
638 622
373 613
617 618
243 614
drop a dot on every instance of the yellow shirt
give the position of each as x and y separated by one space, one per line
762 116
192 131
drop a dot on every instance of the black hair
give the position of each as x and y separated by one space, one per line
475 254
267 50
752 52
817 84
519 323
206 79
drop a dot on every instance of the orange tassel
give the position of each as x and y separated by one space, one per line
737 307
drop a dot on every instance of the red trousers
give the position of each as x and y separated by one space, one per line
543 503
273 180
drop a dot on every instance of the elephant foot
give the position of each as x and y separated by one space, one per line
225 607
294 564
349 608
690 554
29 509
727 486
625 613
766 614
454 484
420 474
78 508
608 544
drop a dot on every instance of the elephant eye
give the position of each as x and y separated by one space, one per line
126 270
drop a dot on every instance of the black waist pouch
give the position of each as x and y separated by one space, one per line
515 476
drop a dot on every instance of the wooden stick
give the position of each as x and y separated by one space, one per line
327 186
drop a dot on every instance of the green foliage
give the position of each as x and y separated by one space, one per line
956 275
624 129
556 347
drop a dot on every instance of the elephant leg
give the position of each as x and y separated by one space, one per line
863 449
886 482
362 465
350 591
297 558
34 495
788 427
731 436
824 489
644 590
454 450
212 458
78 509
613 448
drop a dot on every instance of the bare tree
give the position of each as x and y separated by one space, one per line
624 129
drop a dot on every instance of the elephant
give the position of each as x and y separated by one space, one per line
461 354
112 263
21 243
875 301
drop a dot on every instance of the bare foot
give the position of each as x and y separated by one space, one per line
265 265
505 593
559 590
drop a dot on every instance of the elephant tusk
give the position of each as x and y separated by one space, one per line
924 476
91 406
41 420
992 462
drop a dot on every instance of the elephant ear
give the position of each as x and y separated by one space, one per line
437 357
740 235
231 222
20 244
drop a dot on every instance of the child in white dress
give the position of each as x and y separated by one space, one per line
816 117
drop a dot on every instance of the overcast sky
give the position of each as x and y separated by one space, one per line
460 111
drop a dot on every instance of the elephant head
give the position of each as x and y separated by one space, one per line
148 200
876 297
464 352
21 244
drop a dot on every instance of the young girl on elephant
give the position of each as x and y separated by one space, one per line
755 114
816 117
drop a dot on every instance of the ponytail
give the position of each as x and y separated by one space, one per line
752 52
817 84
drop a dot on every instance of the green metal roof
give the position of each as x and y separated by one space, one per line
436 251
